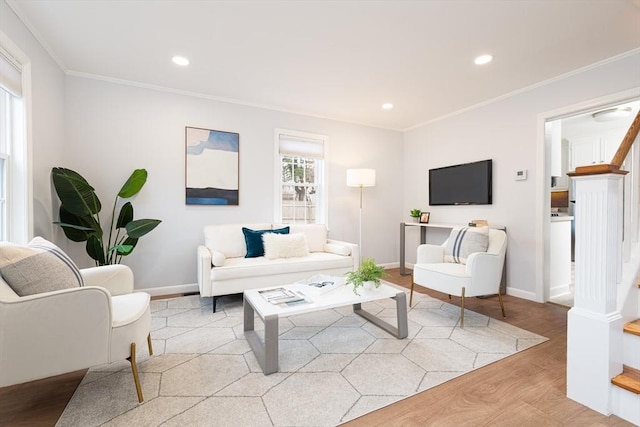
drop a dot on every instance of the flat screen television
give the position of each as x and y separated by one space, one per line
464 184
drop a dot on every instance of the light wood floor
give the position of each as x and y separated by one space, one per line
527 389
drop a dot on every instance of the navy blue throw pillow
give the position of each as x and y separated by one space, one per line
253 239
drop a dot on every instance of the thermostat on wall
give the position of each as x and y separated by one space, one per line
521 175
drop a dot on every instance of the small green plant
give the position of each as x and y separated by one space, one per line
415 213
368 271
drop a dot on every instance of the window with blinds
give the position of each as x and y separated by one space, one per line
13 165
301 191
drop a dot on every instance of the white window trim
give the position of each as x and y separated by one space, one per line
21 208
277 205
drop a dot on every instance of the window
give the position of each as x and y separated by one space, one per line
301 190
14 200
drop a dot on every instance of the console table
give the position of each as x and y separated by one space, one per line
423 239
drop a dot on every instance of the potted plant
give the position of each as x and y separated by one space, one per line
80 220
415 214
368 272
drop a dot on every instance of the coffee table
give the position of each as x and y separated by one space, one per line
266 351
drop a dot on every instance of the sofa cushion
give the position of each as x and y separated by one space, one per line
39 267
463 241
253 240
229 239
285 245
238 268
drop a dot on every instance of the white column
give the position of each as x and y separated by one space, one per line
594 326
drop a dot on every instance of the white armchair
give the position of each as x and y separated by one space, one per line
480 276
52 333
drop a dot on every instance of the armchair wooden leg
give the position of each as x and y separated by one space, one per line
411 295
501 304
134 369
150 345
462 309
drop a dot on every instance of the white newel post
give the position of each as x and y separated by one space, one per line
594 326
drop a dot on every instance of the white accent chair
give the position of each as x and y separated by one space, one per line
480 276
52 333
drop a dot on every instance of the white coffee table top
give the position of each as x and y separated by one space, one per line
338 297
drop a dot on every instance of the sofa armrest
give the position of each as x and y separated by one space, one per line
430 254
339 245
117 278
337 248
204 270
53 332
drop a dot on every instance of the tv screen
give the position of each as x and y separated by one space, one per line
465 184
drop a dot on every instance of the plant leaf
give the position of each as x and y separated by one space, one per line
75 193
76 228
134 183
126 215
95 249
140 227
125 248
122 250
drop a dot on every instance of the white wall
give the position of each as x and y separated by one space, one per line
113 129
47 116
505 131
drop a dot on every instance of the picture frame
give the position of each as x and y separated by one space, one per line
212 166
424 217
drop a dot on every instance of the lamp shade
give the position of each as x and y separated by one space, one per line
361 177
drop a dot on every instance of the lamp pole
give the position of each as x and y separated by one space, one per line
360 229
361 178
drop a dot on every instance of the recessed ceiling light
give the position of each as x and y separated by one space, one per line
180 60
483 59
387 106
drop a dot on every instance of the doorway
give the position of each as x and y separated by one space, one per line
586 137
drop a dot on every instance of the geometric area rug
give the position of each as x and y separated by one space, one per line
333 365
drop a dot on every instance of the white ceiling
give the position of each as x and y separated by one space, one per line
336 59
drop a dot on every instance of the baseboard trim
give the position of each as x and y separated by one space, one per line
389 265
519 293
171 290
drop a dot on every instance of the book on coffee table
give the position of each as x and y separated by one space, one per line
282 296
319 284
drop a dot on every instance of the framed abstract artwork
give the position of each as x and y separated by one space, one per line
212 167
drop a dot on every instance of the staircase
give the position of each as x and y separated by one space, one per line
603 330
625 395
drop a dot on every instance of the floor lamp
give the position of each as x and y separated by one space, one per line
361 178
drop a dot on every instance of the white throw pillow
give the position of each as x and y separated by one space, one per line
284 245
316 234
463 241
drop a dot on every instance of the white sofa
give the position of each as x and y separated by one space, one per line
224 270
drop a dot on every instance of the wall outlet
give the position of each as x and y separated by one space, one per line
521 175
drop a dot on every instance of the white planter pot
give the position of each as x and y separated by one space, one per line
367 286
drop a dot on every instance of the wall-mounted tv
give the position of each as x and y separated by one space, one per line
465 184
